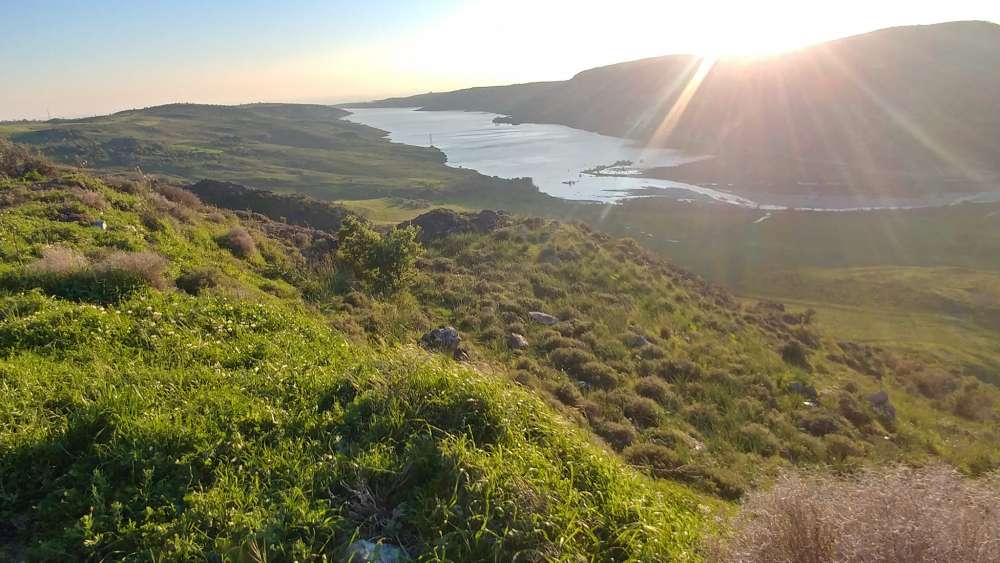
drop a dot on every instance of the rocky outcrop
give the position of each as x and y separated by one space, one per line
445 339
439 223
542 318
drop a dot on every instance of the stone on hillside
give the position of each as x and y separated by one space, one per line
444 339
364 551
881 405
636 341
518 341
542 318
438 223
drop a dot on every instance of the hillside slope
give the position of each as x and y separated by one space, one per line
281 147
190 382
900 110
223 419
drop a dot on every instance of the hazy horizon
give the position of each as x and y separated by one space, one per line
66 59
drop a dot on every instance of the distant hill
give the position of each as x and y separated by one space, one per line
901 110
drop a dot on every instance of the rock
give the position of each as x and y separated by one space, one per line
542 318
100 224
518 341
445 339
364 551
438 223
636 341
460 354
881 405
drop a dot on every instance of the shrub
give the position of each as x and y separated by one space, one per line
758 439
61 273
597 374
147 266
179 196
384 264
568 394
92 199
703 417
239 242
935 384
196 281
660 461
655 389
643 412
973 403
18 161
839 447
795 353
820 423
570 359
617 434
57 260
923 515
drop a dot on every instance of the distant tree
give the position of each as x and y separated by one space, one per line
383 263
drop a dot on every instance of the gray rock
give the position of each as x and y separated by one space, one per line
542 318
636 341
881 405
364 551
518 341
445 339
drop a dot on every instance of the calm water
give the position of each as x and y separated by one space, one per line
555 158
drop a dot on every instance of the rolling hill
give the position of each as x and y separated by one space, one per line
898 111
183 380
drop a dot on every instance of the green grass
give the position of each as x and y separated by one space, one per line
238 425
282 414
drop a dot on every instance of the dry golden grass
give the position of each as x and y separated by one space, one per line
928 515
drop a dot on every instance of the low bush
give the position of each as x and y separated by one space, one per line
655 389
795 353
196 281
643 412
239 242
924 515
179 196
758 439
617 434
597 375
658 460
383 263
58 261
18 161
62 273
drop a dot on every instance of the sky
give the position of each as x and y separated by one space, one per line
71 58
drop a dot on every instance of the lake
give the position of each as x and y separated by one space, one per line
557 157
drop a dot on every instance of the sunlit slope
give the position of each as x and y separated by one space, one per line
224 419
284 147
902 110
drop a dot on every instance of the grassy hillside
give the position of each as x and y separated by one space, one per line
283 147
920 117
169 394
189 382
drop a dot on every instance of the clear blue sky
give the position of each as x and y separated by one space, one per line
83 57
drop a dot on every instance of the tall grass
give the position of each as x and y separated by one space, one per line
927 515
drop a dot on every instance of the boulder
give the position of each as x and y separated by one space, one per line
518 341
444 339
438 223
542 318
881 405
636 341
